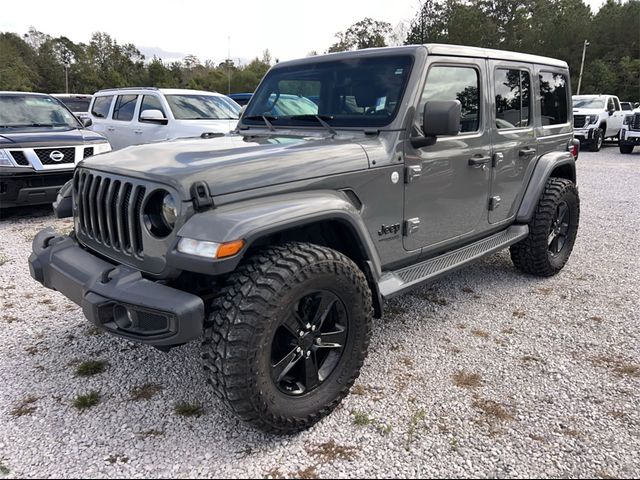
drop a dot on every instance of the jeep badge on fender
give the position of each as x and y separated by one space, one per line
296 235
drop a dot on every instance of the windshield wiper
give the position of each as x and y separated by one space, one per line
320 118
265 118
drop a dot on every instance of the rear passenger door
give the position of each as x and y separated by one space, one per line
99 112
121 128
513 135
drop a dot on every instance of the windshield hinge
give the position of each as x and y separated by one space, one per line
201 196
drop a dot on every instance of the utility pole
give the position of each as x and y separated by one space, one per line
229 65
584 50
66 77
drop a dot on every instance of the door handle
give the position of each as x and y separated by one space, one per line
527 152
111 129
137 131
479 161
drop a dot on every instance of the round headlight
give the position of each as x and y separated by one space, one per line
169 210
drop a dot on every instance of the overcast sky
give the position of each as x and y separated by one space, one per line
170 29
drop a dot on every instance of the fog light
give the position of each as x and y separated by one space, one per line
123 317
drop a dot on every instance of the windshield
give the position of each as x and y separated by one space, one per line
201 107
28 112
354 92
588 102
76 104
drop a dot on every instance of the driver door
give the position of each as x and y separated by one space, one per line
447 184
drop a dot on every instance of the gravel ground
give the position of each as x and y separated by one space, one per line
487 373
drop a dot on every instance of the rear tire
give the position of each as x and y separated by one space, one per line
552 230
598 140
287 336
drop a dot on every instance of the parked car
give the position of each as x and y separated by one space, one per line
279 243
630 132
241 98
40 143
77 103
596 117
133 116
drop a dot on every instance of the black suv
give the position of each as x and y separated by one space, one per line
40 143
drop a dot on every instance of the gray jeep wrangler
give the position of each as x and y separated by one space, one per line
278 244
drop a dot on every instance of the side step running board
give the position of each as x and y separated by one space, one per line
399 281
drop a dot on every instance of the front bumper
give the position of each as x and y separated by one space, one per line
630 137
23 186
584 134
116 298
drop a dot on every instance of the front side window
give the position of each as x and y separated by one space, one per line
200 107
554 98
151 102
352 92
513 89
29 112
454 83
124 108
101 106
617 103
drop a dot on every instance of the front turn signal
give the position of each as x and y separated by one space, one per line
229 249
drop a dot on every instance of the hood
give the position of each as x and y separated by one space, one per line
587 111
234 163
200 126
48 138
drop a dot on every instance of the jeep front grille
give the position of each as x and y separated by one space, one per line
109 211
579 120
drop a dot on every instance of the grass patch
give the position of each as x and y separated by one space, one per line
493 409
10 318
83 402
151 433
330 451
3 259
25 407
307 473
4 470
519 313
407 361
480 333
361 419
416 418
359 389
598 320
185 409
146 391
508 331
618 365
468 290
91 367
467 380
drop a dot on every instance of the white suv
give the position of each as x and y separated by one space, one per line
133 116
596 117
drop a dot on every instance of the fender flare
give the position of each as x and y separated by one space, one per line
544 169
253 219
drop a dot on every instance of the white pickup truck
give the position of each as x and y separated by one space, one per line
596 117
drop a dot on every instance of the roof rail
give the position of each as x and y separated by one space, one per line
126 88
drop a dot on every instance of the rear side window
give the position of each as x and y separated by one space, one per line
101 106
124 108
554 101
151 102
513 89
455 83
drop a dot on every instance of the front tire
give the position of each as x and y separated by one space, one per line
598 140
625 148
288 335
552 230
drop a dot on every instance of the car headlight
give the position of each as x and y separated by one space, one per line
169 210
5 159
101 148
591 119
160 213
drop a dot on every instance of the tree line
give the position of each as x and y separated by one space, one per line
555 28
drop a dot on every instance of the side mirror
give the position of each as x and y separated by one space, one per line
611 112
440 117
86 122
155 116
